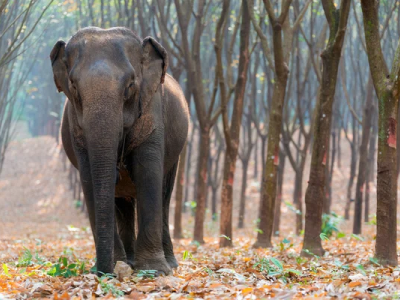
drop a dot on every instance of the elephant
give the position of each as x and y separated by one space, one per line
124 125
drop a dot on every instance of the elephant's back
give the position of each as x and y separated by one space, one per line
176 120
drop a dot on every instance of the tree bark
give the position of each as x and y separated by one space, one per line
371 162
242 206
387 87
201 187
363 163
232 134
337 20
269 186
179 195
278 202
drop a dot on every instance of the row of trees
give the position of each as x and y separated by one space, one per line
266 81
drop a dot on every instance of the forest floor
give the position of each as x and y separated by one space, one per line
46 247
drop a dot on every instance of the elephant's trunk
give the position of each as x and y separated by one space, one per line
102 136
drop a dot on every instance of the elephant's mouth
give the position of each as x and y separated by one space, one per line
124 187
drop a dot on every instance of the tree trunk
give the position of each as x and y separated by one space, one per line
353 164
201 186
278 203
233 137
242 207
298 197
214 204
188 170
255 174
274 131
371 163
179 195
330 60
387 86
363 163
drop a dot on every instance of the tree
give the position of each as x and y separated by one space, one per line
206 116
387 87
281 59
232 131
17 23
315 193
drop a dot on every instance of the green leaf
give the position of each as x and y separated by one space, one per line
5 269
361 269
297 272
64 261
324 237
274 273
147 273
226 237
93 269
185 255
357 237
375 261
341 235
277 263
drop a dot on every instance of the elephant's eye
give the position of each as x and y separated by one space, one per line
131 84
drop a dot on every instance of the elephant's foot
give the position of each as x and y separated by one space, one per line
159 264
172 262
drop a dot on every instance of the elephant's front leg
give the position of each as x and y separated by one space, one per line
87 187
148 178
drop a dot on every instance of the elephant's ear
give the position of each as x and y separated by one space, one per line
154 68
60 71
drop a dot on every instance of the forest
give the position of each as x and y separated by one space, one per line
287 182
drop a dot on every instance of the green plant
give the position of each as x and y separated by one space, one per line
65 269
187 255
273 267
209 271
285 244
107 286
323 237
330 224
26 259
310 253
147 274
300 260
373 219
357 237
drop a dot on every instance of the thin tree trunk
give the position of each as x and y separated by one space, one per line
337 20
179 195
299 200
371 163
201 187
363 163
232 134
269 187
278 202
242 207
353 163
255 174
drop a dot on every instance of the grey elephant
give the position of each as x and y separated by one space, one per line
124 125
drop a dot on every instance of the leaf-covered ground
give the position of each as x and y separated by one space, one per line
43 256
347 270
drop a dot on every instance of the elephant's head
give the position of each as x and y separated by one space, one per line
109 77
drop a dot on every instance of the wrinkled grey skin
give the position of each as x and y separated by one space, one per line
122 109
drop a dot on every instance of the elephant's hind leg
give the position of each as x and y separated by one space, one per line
168 186
125 213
